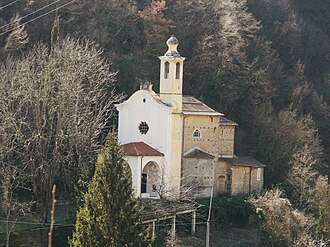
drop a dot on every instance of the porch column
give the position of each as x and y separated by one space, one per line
193 223
153 229
173 224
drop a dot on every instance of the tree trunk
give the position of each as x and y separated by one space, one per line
45 207
45 213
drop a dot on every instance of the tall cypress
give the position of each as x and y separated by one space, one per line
110 215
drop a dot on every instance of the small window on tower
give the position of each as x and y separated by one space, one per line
197 134
144 128
177 71
167 70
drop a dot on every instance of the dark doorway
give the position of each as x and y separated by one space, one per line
144 183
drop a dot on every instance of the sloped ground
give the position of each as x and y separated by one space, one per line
228 237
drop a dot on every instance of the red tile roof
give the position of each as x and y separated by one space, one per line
243 161
140 149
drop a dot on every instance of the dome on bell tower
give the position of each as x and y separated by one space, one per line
172 41
172 44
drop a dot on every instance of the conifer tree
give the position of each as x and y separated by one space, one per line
110 215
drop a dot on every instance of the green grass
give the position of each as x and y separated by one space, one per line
248 236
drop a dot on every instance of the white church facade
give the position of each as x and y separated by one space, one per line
175 144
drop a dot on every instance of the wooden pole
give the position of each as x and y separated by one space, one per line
50 234
173 224
153 229
193 223
207 244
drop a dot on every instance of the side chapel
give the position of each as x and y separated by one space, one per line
176 144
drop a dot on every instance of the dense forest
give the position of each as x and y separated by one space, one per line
265 64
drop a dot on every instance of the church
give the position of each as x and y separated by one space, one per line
178 146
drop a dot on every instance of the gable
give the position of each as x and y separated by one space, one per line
144 96
141 117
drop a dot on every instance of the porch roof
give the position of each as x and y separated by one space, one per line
198 154
243 161
140 149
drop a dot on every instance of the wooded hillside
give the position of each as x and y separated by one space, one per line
264 64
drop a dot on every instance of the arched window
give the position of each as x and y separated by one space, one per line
177 71
197 134
167 70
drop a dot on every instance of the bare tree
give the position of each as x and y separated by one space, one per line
281 221
54 108
12 179
321 201
18 37
308 241
302 176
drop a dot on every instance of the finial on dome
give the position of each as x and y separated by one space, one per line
172 44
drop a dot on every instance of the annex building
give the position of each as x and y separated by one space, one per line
176 144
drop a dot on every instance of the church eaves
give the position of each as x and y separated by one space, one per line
226 122
192 106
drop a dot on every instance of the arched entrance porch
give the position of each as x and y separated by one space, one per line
150 177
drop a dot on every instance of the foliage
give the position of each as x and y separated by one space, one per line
322 203
299 33
110 215
279 137
53 111
308 241
263 63
18 37
12 179
311 192
302 177
242 56
171 239
229 210
284 224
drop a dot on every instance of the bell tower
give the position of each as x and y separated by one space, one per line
171 75
171 78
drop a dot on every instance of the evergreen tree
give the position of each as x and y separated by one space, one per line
110 215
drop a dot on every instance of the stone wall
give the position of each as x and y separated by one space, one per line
226 140
257 184
241 180
220 181
197 176
216 140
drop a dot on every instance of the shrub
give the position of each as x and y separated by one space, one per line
228 210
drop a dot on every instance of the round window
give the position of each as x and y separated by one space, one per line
144 128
